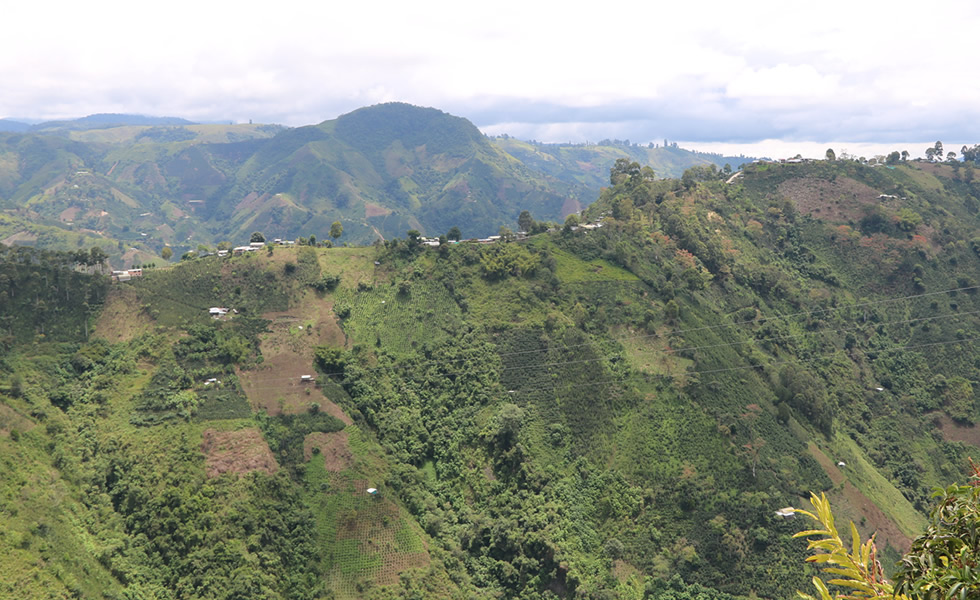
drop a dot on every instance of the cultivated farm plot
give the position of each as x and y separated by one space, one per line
368 542
287 351
333 447
353 265
572 269
239 452
850 504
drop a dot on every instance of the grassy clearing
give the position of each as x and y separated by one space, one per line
354 265
652 353
872 484
385 317
571 269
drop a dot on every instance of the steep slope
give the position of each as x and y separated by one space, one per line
383 170
607 411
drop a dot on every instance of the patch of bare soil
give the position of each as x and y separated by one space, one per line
254 202
239 452
21 237
829 466
121 318
954 432
375 210
11 420
838 201
287 350
850 504
571 205
333 447
69 214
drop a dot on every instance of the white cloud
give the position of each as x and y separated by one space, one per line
699 71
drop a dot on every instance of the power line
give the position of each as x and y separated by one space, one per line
621 380
748 367
425 364
765 319
671 351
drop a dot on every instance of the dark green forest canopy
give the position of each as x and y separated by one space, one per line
606 411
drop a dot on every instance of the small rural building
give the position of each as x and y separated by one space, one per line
786 513
306 378
217 311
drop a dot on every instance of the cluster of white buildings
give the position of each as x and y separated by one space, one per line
127 274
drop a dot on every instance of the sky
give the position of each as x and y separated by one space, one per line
870 76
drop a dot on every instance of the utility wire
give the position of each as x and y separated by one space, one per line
671 351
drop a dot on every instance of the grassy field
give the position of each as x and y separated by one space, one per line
384 316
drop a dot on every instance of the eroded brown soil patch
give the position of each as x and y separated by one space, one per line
954 432
375 210
276 386
69 214
121 318
850 504
239 451
840 200
21 237
334 449
11 420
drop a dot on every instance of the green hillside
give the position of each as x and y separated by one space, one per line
589 164
136 184
598 412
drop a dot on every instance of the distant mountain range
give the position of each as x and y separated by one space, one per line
98 121
139 183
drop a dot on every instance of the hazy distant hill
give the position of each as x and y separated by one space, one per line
143 182
589 164
8 125
381 171
104 120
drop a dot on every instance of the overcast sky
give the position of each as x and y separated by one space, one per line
852 72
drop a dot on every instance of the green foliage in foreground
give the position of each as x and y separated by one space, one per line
941 563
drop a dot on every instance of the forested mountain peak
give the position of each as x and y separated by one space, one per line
375 128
